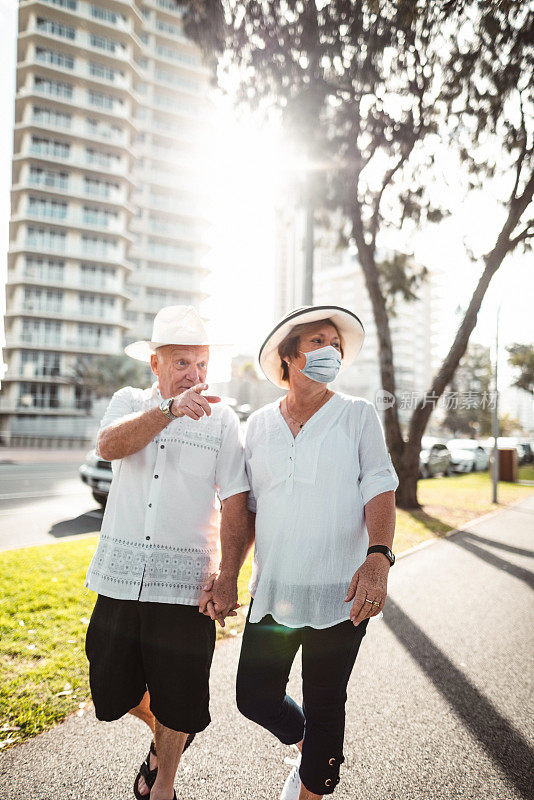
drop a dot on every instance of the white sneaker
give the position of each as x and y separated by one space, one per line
291 790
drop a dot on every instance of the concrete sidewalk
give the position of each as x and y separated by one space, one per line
440 699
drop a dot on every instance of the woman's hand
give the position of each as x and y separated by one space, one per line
369 582
219 598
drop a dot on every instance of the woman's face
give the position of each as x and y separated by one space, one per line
319 335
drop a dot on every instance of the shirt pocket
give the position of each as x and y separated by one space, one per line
265 465
198 452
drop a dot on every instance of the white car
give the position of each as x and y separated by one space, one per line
97 474
467 455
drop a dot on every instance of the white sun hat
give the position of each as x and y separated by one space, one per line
173 325
348 324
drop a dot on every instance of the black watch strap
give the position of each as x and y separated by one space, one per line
382 548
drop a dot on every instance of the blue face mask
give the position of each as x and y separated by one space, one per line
322 365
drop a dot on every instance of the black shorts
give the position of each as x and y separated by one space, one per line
133 646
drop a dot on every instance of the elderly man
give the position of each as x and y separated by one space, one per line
173 449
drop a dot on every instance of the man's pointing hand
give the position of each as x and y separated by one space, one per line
192 403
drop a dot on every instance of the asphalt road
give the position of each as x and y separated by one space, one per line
440 701
44 501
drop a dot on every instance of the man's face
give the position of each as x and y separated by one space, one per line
179 367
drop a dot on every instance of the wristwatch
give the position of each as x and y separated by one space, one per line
165 406
382 548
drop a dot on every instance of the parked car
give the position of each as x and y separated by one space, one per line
434 458
96 473
467 455
525 454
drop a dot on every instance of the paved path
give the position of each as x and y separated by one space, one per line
440 700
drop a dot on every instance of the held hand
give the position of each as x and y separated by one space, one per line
193 404
369 582
214 602
206 596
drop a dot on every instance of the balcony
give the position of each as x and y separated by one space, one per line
71 345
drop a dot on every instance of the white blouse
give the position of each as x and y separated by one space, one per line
159 540
309 494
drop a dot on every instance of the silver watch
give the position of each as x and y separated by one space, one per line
165 406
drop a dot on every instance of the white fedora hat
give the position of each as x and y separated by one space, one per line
173 325
349 326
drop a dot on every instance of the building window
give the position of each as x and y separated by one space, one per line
167 27
102 100
53 209
55 28
39 363
47 301
44 269
100 188
96 306
104 13
101 71
47 116
49 147
98 216
47 239
52 88
49 177
53 57
38 395
177 55
70 4
98 246
103 43
101 158
94 336
97 128
41 331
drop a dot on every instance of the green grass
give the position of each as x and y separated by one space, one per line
44 613
45 608
526 472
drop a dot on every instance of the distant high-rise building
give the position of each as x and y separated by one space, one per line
108 220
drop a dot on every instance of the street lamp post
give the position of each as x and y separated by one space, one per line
495 471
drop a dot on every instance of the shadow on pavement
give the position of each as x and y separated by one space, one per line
86 523
502 742
520 551
467 540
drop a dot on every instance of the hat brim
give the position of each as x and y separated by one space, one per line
348 324
142 351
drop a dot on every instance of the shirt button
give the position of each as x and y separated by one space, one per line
162 446
147 538
150 505
156 476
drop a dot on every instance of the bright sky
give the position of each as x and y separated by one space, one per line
242 283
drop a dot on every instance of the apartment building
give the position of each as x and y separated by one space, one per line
108 220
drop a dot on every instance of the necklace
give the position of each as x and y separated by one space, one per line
296 421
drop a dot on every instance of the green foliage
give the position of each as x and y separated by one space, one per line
101 376
473 378
522 357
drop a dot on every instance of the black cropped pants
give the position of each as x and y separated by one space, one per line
328 656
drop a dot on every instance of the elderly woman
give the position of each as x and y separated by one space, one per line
323 495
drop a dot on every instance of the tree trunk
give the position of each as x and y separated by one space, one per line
406 494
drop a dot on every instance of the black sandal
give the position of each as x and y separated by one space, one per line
150 774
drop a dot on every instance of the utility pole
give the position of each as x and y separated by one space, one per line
495 474
307 289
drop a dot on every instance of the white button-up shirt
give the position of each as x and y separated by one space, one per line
309 494
160 532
